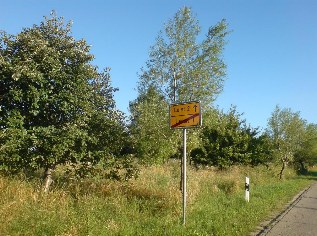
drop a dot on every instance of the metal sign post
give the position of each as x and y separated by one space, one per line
184 177
182 116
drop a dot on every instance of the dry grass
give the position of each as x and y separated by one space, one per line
148 205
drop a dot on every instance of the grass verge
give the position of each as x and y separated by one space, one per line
150 205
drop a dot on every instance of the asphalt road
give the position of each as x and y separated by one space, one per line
300 218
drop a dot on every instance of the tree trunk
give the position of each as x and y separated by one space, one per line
48 180
303 169
281 174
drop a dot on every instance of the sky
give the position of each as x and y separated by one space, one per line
271 53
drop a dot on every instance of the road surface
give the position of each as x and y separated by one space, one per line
300 219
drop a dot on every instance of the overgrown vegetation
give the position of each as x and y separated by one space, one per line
228 140
56 108
149 205
179 69
57 113
295 141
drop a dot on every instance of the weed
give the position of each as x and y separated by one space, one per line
149 205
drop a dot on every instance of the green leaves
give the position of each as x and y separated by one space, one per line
198 68
179 68
56 108
286 128
227 141
154 141
293 138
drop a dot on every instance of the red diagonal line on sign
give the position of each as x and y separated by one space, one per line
184 121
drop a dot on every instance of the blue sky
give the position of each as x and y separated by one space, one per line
271 53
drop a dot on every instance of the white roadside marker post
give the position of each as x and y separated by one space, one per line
247 189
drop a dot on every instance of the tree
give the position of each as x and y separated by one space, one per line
55 107
180 69
197 68
153 139
228 140
287 130
261 148
307 154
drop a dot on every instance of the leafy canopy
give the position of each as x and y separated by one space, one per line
287 130
197 68
179 68
227 140
55 107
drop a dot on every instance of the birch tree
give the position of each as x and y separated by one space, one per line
181 68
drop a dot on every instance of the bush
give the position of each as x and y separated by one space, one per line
229 141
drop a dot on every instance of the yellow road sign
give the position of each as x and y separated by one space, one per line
185 115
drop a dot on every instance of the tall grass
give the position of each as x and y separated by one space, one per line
149 205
